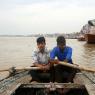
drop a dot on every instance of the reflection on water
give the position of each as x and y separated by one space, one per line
16 51
89 53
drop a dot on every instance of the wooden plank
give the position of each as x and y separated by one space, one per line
90 89
4 75
90 76
10 88
80 78
52 85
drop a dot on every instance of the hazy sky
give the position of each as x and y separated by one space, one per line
44 16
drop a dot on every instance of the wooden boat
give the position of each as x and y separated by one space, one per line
88 31
81 39
90 38
19 84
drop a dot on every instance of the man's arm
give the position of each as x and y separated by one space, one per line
53 54
39 65
69 55
42 67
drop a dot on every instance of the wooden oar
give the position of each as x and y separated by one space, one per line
77 66
19 69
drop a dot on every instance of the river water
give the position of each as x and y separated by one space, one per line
17 51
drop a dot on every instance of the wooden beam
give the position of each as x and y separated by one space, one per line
90 76
52 85
10 90
90 89
80 78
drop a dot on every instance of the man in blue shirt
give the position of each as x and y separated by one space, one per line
63 53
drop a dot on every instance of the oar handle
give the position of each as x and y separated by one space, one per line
26 68
76 66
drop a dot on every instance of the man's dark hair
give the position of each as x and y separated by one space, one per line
40 40
61 40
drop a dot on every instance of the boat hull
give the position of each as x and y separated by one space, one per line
20 83
90 38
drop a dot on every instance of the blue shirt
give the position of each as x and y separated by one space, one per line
66 54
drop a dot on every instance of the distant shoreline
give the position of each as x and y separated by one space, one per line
50 36
69 36
13 36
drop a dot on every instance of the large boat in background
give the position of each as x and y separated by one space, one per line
89 31
90 38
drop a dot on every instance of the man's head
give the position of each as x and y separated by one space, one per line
41 43
61 42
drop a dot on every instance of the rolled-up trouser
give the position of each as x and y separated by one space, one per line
42 76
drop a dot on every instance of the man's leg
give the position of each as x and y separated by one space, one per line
35 75
58 73
69 74
52 73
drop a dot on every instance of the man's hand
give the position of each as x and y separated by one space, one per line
42 66
45 67
55 61
65 61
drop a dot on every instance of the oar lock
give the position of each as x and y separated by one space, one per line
12 71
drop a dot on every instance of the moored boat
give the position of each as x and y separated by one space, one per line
81 38
20 84
90 38
88 31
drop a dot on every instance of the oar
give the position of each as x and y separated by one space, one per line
25 68
77 66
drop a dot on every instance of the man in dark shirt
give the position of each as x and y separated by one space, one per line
63 53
